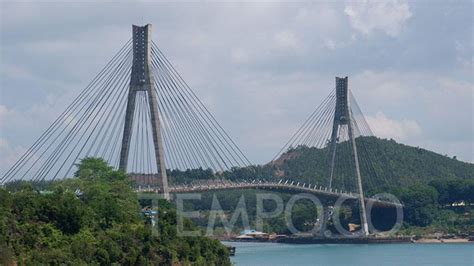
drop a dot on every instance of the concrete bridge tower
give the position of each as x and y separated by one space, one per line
142 80
343 117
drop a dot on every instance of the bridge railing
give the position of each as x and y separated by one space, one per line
210 185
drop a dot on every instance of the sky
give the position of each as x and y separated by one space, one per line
260 68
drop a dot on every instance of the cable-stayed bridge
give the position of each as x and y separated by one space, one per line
141 116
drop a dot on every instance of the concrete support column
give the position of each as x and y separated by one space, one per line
343 116
142 80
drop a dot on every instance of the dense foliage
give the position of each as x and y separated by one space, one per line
425 182
190 175
304 212
423 213
443 205
94 219
454 190
384 163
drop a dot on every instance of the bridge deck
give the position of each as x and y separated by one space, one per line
216 185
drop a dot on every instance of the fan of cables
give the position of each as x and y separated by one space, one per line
92 126
314 137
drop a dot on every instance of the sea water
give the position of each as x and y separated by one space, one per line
248 253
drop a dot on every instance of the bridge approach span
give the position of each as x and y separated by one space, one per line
323 193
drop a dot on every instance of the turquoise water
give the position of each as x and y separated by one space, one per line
367 255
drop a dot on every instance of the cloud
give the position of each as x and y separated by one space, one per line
286 39
384 127
387 87
260 68
388 16
440 105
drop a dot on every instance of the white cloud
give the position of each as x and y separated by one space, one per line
324 23
384 127
440 105
388 16
286 39
260 68
387 87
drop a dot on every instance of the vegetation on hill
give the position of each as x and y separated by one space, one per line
95 219
384 163
304 212
428 184
441 206
425 210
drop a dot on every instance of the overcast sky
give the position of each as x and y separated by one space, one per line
260 68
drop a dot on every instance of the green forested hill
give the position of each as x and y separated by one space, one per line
426 182
383 162
95 219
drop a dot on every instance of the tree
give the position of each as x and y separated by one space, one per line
65 210
97 168
99 225
454 190
420 204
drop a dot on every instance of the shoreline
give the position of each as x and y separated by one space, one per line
402 240
443 241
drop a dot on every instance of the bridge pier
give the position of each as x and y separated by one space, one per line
343 117
142 80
